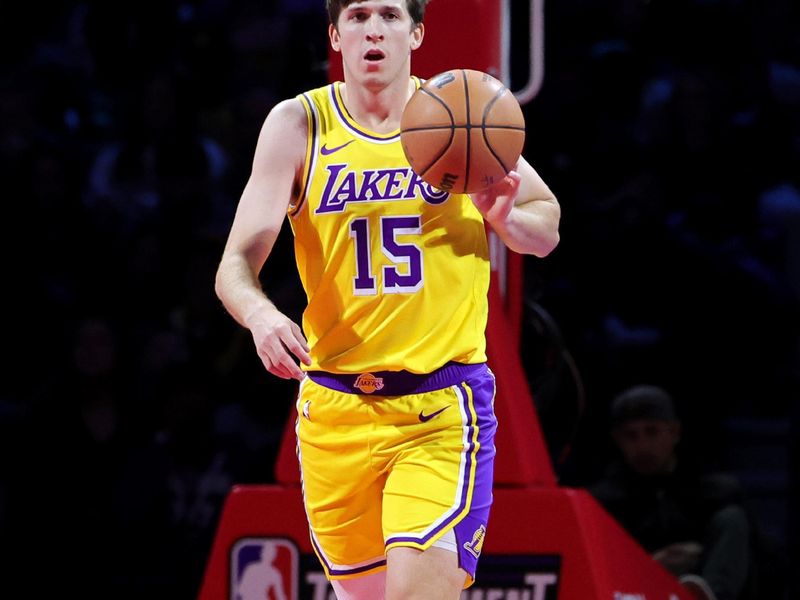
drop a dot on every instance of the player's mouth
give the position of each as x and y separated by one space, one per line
374 55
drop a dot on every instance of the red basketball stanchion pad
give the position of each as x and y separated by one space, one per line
595 558
522 458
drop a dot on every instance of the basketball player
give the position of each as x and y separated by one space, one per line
395 417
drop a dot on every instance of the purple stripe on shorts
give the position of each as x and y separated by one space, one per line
462 502
398 383
471 529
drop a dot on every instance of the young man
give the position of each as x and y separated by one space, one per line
395 425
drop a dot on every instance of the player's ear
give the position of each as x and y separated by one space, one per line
416 36
333 34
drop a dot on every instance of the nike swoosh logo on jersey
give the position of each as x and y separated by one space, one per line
423 418
326 151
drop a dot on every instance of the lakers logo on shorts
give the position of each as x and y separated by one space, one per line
475 546
368 383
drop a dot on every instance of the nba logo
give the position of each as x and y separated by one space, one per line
264 569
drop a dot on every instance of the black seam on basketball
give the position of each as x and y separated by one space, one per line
440 155
431 127
508 127
442 102
497 158
450 127
490 104
484 127
428 128
468 127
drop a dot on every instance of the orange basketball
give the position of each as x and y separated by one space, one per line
462 131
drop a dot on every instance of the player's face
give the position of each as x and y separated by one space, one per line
376 38
648 445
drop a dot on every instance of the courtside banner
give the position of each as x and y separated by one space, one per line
516 577
269 568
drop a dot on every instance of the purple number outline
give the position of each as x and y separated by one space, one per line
363 282
410 255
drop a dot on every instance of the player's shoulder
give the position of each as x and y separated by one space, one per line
290 109
284 132
286 118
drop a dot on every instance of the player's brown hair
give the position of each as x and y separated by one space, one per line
416 8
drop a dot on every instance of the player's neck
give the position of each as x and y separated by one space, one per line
380 109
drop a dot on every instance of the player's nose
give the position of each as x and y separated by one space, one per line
373 29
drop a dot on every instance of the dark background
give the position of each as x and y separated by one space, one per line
669 130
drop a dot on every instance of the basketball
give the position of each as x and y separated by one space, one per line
462 131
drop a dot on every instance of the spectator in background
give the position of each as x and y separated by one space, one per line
693 523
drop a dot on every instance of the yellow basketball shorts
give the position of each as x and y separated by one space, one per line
396 459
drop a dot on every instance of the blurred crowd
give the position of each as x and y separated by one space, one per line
669 129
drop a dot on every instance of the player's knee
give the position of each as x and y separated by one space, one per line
368 587
430 575
430 587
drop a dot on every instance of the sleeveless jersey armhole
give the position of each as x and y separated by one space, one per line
311 153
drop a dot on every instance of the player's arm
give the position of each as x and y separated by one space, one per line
522 210
277 165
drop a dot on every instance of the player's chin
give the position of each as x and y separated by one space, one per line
375 80
373 66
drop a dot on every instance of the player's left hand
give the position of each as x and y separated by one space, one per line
495 202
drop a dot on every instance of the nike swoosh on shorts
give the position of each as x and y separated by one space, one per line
423 418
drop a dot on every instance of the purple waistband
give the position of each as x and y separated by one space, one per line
397 383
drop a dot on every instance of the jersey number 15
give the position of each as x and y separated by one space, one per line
395 281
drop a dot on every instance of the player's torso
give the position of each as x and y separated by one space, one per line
396 272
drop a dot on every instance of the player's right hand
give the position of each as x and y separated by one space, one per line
496 202
278 340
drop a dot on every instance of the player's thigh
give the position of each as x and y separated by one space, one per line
342 489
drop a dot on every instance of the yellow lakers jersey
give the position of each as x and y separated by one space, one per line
396 272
